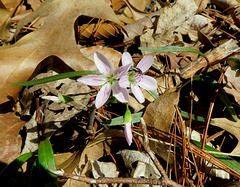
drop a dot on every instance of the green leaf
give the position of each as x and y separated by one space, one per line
46 160
230 162
172 49
8 173
119 120
65 98
55 77
194 117
153 94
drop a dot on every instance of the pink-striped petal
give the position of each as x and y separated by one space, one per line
124 82
119 72
120 93
145 63
148 83
137 93
128 133
103 95
102 63
93 80
126 59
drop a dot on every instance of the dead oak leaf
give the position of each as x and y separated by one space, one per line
55 37
9 142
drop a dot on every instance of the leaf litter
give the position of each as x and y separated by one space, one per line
57 36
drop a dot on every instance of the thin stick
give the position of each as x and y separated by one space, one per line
105 180
145 142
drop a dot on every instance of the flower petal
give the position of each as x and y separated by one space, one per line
102 63
126 59
124 82
120 93
52 98
137 93
148 83
93 80
128 133
122 70
145 63
103 95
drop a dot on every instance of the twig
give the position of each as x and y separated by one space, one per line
105 180
145 142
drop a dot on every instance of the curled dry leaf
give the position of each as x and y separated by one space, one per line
136 28
232 84
134 10
159 114
5 23
145 166
163 34
55 37
9 143
230 126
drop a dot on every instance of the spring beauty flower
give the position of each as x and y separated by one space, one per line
127 120
108 80
135 77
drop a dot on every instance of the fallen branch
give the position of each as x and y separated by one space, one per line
106 180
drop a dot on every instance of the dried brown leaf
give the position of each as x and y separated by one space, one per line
230 126
232 84
159 114
5 23
55 37
9 144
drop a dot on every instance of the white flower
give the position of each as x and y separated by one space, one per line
108 80
135 77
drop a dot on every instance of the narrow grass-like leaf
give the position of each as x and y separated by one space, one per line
194 117
46 160
119 120
8 173
172 49
230 162
55 77
153 94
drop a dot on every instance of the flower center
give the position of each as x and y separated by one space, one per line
134 77
112 79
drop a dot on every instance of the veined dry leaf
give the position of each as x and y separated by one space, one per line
230 126
9 144
232 84
134 10
35 4
55 37
5 23
159 114
113 55
136 28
